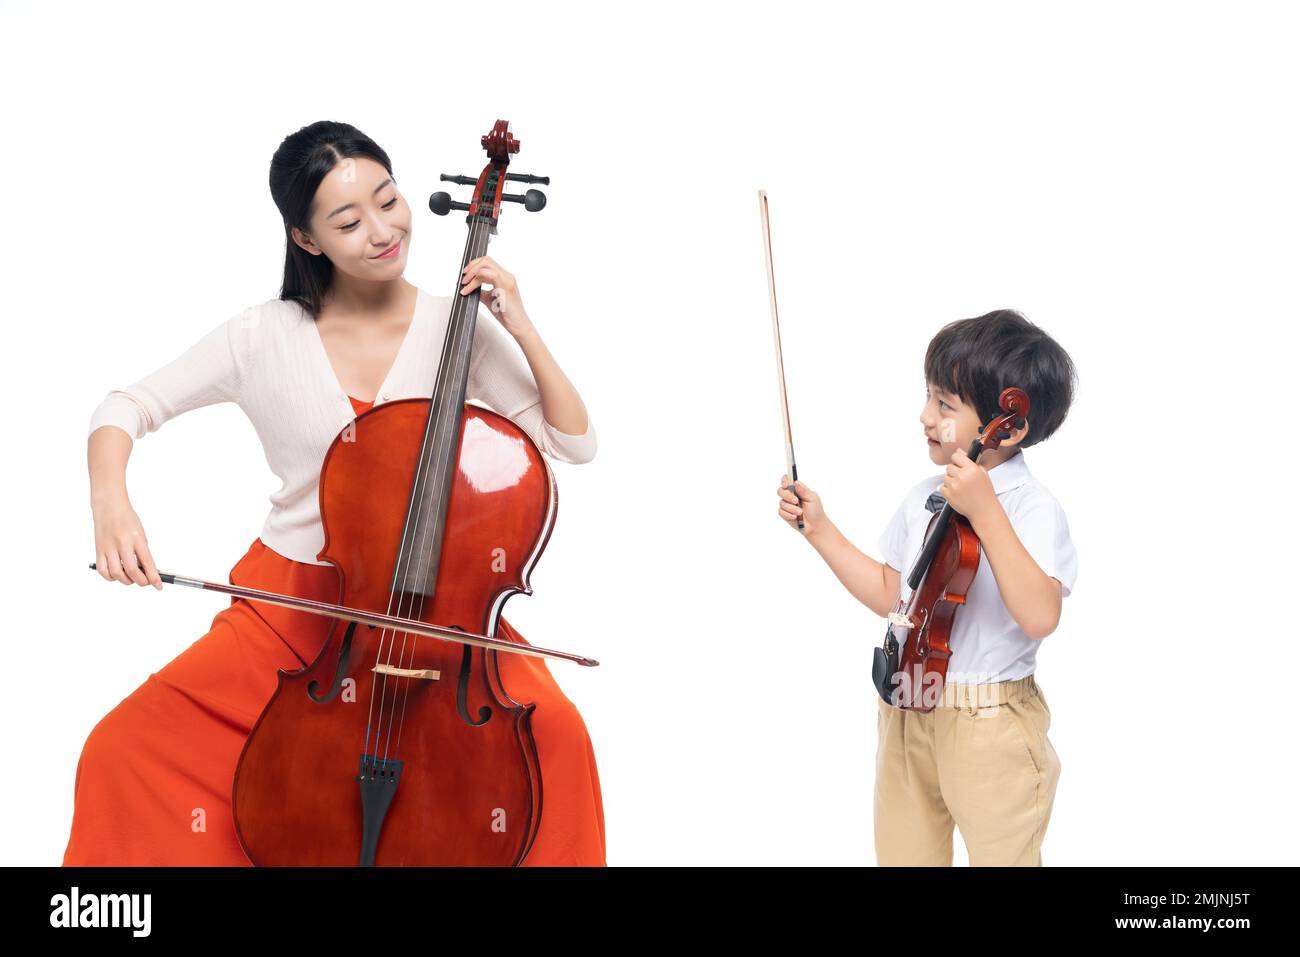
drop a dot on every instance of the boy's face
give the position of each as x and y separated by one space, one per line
950 424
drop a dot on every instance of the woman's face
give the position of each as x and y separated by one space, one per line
356 215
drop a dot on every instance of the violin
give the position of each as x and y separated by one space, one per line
390 748
910 667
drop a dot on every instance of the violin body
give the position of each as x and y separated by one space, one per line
352 763
932 610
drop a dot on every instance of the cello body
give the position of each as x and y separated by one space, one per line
473 794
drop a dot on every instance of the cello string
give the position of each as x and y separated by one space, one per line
379 690
421 562
439 460
447 436
387 635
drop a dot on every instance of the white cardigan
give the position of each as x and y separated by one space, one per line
270 359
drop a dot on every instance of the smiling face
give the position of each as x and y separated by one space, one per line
953 425
356 215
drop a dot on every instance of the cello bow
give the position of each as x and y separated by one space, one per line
375 619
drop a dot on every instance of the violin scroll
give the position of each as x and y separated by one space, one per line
500 142
1015 404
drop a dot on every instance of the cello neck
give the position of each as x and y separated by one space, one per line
415 570
453 370
422 535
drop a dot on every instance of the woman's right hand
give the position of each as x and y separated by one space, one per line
807 504
121 546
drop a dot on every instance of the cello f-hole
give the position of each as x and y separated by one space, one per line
339 673
462 692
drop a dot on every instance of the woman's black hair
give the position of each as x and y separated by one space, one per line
297 169
977 358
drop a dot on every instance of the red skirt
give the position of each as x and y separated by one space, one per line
154 781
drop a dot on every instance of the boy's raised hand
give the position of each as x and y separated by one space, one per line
807 503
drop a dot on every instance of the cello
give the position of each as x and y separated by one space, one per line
922 625
390 748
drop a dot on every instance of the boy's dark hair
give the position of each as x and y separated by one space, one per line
977 358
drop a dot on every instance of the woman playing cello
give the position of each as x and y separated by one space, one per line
346 333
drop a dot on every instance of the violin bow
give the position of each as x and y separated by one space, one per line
376 619
780 365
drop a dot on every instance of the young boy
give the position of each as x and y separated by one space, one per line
981 758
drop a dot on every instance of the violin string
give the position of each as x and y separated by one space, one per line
438 459
906 572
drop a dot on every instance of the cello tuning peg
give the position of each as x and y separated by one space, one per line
1020 422
458 180
1003 435
528 178
442 203
533 200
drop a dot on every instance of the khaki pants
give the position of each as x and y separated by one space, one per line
980 759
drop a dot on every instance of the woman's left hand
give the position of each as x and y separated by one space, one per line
502 299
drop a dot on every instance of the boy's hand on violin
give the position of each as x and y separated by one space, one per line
968 488
807 504
503 299
121 550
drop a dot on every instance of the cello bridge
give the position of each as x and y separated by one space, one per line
429 674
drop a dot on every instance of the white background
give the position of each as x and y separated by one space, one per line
1124 174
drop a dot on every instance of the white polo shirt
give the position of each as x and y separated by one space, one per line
987 644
